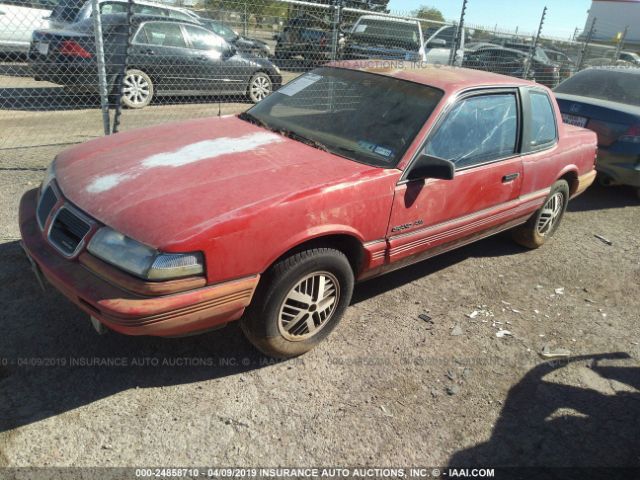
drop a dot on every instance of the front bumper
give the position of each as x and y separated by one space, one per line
113 297
620 168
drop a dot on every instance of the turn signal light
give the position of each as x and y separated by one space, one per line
632 135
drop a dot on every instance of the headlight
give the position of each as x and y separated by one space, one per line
143 261
49 175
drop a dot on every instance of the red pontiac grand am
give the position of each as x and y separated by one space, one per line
271 216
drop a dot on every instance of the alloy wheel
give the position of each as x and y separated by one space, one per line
550 214
136 89
309 306
260 88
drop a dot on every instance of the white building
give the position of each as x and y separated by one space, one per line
612 16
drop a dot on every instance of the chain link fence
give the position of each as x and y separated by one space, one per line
71 70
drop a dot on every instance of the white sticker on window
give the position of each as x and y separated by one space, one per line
361 28
385 152
299 84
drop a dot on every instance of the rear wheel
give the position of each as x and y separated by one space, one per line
301 300
544 223
137 89
260 86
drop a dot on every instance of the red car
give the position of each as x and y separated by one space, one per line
271 216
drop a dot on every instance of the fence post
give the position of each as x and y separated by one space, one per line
458 38
123 69
534 47
337 21
245 26
102 72
585 47
621 43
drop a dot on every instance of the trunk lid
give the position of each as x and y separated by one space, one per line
609 120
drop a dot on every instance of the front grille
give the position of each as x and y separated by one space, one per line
47 202
68 231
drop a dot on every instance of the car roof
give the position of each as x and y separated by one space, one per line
390 19
501 48
449 79
615 68
137 19
150 3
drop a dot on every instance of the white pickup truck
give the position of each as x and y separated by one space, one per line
392 38
18 20
439 42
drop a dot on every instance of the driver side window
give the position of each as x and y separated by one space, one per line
477 130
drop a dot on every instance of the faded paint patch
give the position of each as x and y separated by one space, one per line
195 152
209 149
107 182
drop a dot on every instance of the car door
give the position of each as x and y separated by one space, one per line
480 134
216 70
160 49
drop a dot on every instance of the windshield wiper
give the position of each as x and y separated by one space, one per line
302 139
248 117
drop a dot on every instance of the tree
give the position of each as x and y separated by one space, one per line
428 13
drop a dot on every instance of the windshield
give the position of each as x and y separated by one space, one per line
67 10
364 117
225 32
373 30
613 85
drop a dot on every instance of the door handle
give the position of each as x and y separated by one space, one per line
201 58
510 178
148 51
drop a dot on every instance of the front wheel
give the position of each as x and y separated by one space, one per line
300 301
544 223
137 89
260 86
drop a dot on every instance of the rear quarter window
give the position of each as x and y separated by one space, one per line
543 120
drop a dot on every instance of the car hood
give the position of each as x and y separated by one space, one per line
165 185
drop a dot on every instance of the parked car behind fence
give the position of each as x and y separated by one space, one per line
167 57
607 101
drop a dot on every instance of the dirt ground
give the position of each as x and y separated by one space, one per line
388 388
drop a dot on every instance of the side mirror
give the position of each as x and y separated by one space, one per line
229 51
437 43
431 167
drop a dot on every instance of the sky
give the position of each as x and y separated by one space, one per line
563 16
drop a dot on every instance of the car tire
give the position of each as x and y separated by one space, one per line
260 86
290 314
544 223
137 89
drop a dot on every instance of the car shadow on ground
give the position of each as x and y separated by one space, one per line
52 361
548 424
14 65
598 197
495 246
44 99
